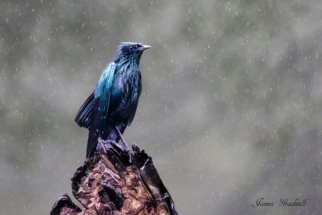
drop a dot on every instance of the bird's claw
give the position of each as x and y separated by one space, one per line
101 143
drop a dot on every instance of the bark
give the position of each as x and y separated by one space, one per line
117 181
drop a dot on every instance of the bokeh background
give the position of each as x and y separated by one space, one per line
231 108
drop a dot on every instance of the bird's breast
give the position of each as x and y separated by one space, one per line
125 86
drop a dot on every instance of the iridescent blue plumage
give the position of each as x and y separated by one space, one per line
113 104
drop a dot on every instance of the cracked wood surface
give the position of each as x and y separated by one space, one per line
117 181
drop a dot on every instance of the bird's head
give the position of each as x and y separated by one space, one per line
129 50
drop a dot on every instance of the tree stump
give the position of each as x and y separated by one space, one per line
116 180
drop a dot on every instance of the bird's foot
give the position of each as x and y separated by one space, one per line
102 143
124 143
105 145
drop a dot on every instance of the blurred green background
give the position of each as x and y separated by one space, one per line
231 107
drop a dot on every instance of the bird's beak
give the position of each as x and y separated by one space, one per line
145 47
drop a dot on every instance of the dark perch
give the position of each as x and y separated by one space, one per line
117 181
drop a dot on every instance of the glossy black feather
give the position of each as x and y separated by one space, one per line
115 99
85 112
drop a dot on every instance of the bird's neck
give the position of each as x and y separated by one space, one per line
131 62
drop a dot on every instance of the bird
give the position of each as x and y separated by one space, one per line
111 107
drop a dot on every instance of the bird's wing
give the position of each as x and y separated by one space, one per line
96 105
102 95
85 112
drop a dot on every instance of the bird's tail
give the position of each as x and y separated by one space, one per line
94 131
91 143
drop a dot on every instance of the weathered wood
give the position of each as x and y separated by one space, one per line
117 181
